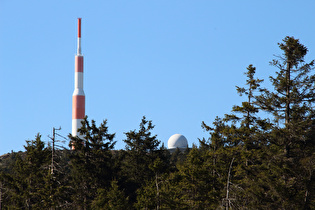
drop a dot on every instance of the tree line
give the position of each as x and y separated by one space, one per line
248 162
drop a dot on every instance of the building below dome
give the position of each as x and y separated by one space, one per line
177 141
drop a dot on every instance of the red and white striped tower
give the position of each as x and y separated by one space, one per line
78 97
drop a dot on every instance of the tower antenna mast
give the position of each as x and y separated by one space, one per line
78 97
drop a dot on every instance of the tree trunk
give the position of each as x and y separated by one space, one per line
157 192
288 85
228 186
287 107
307 192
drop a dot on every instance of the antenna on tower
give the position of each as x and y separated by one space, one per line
79 37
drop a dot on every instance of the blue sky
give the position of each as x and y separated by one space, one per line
175 61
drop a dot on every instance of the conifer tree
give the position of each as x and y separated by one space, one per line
292 105
292 100
150 195
240 136
90 162
142 149
111 199
197 185
192 186
28 177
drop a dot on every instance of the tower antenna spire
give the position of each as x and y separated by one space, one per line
78 97
79 37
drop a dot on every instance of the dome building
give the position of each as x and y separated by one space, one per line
177 141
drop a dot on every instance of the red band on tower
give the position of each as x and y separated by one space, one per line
79 27
78 64
78 107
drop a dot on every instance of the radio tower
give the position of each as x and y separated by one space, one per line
78 97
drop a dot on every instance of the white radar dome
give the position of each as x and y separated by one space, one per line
177 141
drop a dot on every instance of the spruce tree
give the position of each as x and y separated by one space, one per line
291 102
90 162
142 149
29 177
111 199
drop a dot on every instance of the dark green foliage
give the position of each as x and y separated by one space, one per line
151 195
25 185
7 161
292 101
142 150
294 86
198 187
270 160
90 162
112 199
177 157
